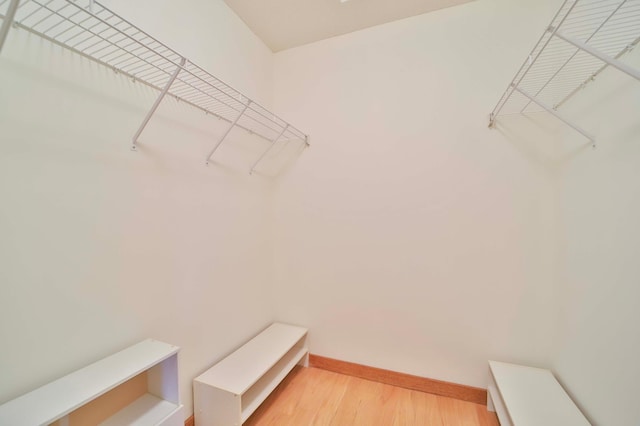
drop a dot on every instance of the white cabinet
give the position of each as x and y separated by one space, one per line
136 386
230 391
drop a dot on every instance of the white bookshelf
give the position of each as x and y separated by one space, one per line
151 364
528 396
230 391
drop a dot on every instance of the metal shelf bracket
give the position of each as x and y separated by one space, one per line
266 151
559 116
156 104
7 21
224 136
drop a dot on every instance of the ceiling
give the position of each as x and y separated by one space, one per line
283 24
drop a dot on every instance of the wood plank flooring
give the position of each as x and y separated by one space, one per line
311 396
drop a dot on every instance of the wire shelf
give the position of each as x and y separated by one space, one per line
584 38
95 32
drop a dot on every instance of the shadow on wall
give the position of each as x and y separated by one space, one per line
538 135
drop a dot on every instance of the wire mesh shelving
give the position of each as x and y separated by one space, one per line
583 39
93 31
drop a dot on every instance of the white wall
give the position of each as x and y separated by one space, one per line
101 247
599 200
409 236
412 238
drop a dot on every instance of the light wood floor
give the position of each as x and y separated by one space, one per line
311 396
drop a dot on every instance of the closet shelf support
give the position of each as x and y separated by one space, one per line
266 151
556 114
233 124
156 104
7 21
604 58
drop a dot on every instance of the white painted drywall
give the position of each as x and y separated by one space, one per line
409 236
412 238
599 202
101 247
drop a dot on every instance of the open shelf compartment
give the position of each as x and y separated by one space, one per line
230 391
136 386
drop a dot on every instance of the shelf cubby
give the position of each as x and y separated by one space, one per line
136 386
230 391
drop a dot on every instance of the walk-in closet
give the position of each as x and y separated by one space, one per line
322 212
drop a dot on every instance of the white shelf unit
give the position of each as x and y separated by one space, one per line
528 396
136 386
584 38
230 391
91 30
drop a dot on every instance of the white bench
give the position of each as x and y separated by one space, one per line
136 386
527 396
230 391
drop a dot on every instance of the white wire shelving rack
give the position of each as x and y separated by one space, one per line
91 30
584 38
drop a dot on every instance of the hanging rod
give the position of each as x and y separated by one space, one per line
89 29
583 39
